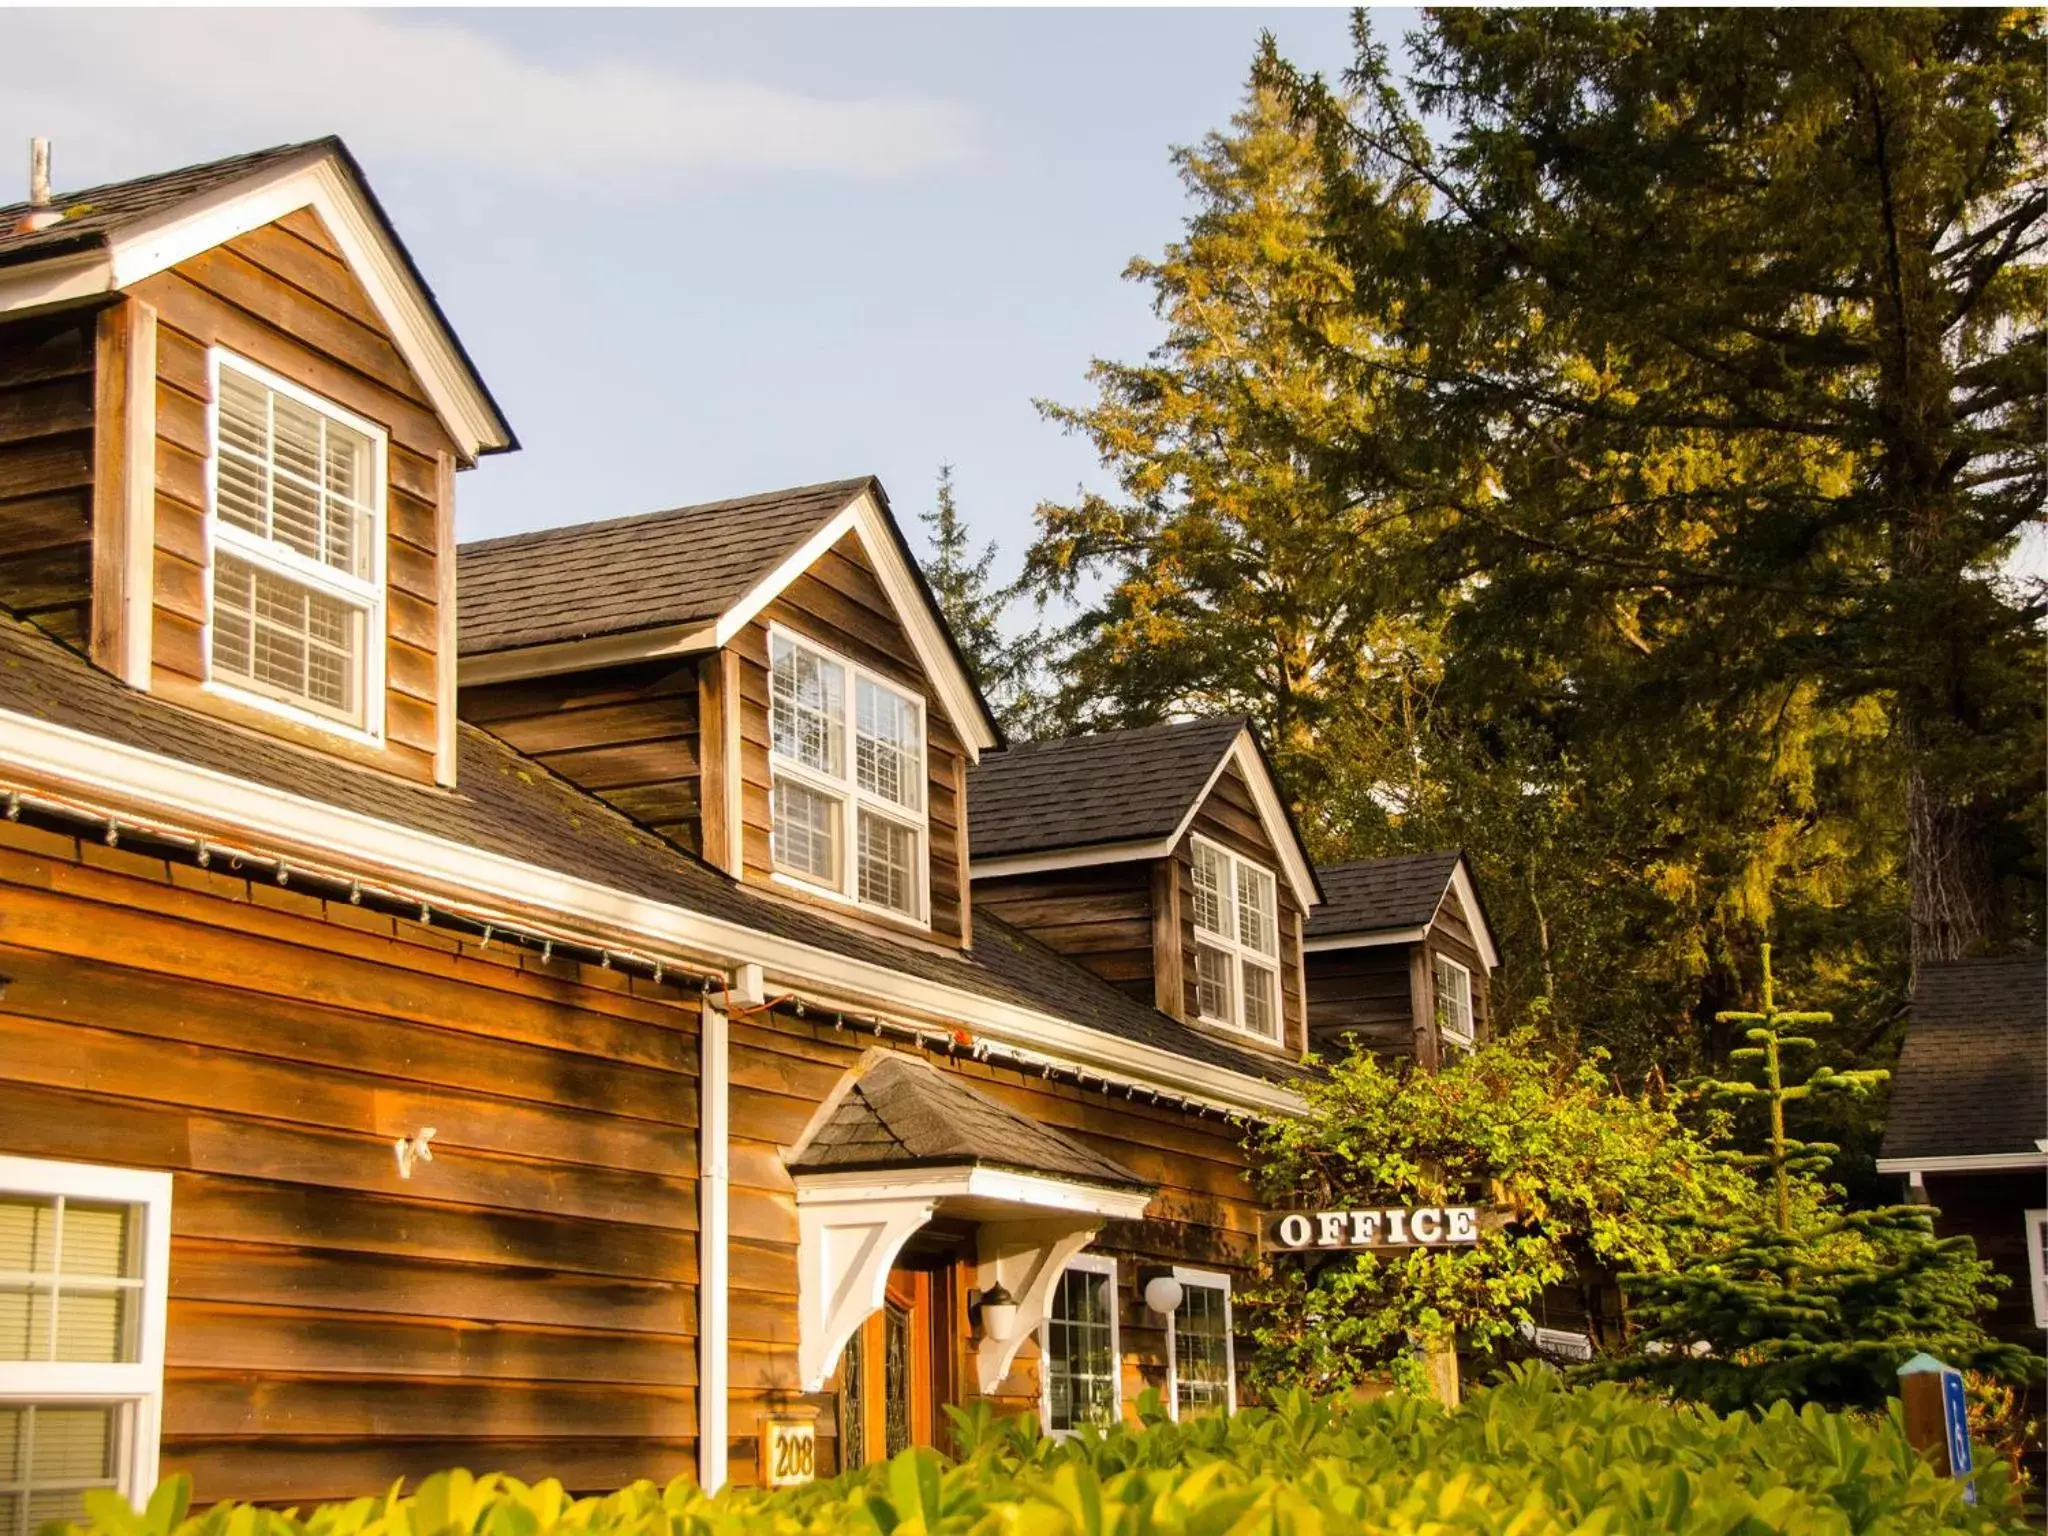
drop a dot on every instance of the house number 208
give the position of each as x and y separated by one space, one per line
789 1452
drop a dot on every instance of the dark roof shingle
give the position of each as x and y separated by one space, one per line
1377 894
677 567
1109 787
1972 1079
904 1113
104 210
509 805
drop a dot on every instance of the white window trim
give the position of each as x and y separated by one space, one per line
1471 1030
1240 952
137 1385
1214 1280
852 798
1099 1264
2037 1263
369 594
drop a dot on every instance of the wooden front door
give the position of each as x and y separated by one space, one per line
900 1367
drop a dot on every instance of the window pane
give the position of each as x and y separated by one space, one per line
1453 1000
888 746
1201 1350
807 712
25 1322
93 1325
888 863
97 1238
1261 1014
1080 1363
1212 984
284 638
806 832
1212 882
28 1234
1257 924
49 1456
289 472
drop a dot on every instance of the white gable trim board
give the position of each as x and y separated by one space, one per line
319 182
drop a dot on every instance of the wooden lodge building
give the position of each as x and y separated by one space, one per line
568 1004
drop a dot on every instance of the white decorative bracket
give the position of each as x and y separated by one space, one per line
844 1250
1025 1257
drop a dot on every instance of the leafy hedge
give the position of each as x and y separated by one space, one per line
1528 1458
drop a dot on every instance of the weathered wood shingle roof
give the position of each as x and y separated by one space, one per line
900 1112
1374 895
1109 787
1972 1080
686 565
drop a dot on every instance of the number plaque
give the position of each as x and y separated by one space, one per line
789 1450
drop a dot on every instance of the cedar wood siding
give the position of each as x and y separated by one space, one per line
282 297
1229 816
1385 994
839 603
1990 1209
783 1068
1099 916
628 734
46 470
525 1302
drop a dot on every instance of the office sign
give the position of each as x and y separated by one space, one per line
1375 1229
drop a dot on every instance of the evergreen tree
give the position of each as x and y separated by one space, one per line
1005 667
1728 342
1235 570
1806 1302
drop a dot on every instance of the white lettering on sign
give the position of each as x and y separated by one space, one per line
1429 1226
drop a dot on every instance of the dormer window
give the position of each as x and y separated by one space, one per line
848 757
1237 942
296 592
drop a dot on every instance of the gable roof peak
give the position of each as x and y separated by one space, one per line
1395 898
119 233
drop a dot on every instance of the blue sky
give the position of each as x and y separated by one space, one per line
703 253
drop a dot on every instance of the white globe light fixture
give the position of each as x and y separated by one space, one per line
998 1314
1163 1292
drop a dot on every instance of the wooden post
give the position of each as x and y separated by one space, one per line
1937 1416
1442 1366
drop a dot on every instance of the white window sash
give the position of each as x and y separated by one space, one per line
1240 953
1208 1279
1097 1264
134 1386
367 595
1459 1032
2037 1263
847 790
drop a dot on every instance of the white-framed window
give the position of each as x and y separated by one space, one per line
847 752
84 1265
295 537
2037 1263
1201 1355
1237 942
1079 1357
1453 1000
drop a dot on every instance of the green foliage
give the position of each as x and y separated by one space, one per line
1589 1177
1803 1302
1529 1457
1004 665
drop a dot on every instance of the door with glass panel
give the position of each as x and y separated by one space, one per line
900 1367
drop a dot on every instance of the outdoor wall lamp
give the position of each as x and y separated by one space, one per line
998 1314
1163 1292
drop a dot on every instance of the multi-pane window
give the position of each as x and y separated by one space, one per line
296 585
849 764
83 1260
2037 1264
1453 1001
1080 1346
1204 1359
1237 942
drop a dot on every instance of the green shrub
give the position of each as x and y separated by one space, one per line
1530 1457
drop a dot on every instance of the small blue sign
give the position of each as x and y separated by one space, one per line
1955 1418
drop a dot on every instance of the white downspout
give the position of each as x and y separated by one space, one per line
713 1261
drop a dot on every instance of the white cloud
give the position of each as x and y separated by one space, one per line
118 90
